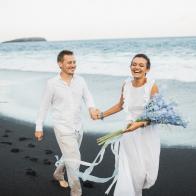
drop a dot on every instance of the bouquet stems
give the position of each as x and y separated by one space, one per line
109 137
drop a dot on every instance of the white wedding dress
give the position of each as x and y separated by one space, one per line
140 149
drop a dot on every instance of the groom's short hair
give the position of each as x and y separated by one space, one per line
62 54
144 57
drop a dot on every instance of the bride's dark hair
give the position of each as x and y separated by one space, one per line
145 57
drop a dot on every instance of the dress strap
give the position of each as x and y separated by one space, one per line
148 88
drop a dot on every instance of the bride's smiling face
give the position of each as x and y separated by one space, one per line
139 67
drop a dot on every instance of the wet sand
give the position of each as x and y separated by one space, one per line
27 166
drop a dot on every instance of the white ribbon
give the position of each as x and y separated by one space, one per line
86 174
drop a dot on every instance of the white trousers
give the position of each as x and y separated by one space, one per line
69 142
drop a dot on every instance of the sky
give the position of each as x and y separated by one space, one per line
96 19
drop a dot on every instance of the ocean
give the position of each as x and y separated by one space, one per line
25 67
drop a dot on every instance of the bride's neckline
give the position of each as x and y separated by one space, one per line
138 86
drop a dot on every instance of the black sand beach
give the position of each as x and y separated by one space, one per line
26 166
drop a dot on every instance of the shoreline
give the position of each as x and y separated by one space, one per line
50 129
27 165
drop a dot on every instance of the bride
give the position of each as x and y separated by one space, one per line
140 146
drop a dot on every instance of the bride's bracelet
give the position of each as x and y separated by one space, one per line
146 123
101 116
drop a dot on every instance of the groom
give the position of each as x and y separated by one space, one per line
64 93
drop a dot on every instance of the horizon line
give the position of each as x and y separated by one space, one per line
116 38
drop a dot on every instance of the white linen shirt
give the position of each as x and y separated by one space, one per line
66 102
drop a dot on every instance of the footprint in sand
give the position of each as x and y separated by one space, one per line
5 135
15 150
31 145
8 143
47 162
48 151
8 131
53 181
33 159
24 139
31 172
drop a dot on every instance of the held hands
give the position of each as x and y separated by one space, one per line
94 113
39 135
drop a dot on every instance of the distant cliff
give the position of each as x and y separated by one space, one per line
28 39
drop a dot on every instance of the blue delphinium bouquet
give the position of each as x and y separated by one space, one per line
157 111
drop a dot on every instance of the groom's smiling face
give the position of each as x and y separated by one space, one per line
139 67
68 64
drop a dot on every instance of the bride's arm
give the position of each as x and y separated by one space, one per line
154 90
114 109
